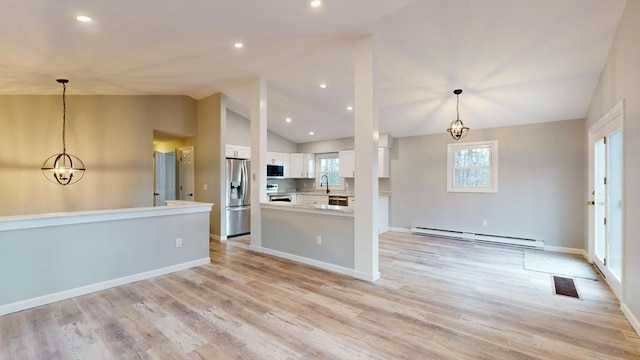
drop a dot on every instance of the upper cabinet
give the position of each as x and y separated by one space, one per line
302 166
309 165
286 162
275 158
238 152
383 162
347 163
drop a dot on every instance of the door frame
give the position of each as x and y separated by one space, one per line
613 119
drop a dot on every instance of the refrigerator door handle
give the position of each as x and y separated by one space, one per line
243 170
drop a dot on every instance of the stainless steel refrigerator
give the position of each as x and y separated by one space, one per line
238 197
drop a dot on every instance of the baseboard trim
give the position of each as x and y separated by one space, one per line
632 319
217 237
366 276
566 250
83 290
400 230
307 261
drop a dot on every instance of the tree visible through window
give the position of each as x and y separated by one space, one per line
472 167
329 165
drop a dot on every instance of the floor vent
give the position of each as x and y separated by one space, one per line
509 240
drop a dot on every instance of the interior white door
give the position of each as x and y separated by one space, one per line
606 210
159 183
186 171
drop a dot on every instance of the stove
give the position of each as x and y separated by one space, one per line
272 188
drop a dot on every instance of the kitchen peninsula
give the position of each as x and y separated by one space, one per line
318 235
314 232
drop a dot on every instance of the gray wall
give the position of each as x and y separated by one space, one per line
619 80
540 184
112 135
295 233
41 261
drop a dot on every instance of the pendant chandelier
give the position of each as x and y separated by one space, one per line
457 128
64 168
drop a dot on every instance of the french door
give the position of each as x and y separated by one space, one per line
606 210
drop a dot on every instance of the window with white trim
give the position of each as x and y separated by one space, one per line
328 164
472 167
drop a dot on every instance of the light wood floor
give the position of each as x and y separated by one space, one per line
437 299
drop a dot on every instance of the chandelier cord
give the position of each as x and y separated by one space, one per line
457 107
64 119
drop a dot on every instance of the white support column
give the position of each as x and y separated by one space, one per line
366 162
258 156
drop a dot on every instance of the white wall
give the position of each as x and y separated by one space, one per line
112 135
620 80
239 133
327 146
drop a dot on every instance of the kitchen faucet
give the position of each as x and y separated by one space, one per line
327 178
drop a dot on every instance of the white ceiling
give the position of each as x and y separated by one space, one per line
518 62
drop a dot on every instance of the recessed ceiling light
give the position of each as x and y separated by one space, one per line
287 119
83 18
311 133
349 108
238 45
315 3
323 86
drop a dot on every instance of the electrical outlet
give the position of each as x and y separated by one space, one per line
179 242
484 223
319 240
205 186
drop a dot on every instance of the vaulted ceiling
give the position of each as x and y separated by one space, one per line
518 62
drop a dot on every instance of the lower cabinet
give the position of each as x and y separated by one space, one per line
315 200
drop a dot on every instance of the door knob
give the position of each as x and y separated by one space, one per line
591 202
190 194
155 194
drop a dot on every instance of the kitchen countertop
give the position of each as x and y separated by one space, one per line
318 209
322 193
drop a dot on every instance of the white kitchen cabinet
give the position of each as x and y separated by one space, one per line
309 166
274 158
237 151
352 202
296 167
383 162
302 165
315 200
286 162
347 163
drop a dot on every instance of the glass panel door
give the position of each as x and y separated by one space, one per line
614 196
606 184
600 199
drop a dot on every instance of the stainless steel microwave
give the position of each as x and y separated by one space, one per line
275 171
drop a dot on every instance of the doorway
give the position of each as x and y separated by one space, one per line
164 179
606 187
186 174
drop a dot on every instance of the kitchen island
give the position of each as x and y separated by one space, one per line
317 235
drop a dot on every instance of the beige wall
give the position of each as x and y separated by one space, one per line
112 135
209 153
620 80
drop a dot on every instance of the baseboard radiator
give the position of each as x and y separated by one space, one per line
507 240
